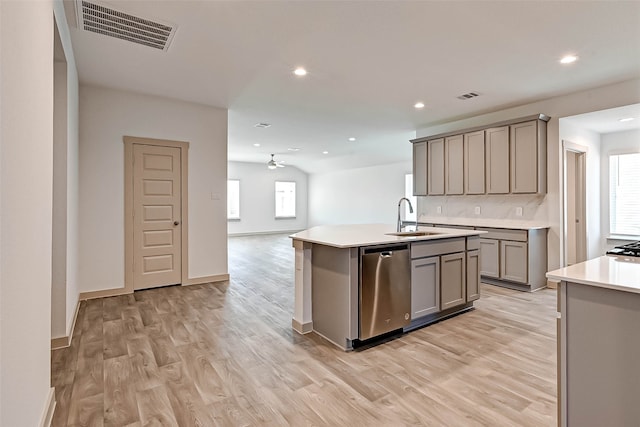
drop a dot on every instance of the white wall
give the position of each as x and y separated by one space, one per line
613 143
549 209
26 168
106 116
257 198
64 291
357 196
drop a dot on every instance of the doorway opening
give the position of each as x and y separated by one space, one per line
575 206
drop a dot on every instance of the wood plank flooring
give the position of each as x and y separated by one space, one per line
225 355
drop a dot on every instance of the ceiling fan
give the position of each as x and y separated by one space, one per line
272 164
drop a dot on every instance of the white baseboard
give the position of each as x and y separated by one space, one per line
62 342
207 279
256 233
50 407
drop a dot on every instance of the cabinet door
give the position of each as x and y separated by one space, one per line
454 164
435 166
425 286
473 275
474 171
497 158
524 157
420 169
452 280
490 257
513 262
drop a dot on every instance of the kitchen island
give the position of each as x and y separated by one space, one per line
598 342
442 269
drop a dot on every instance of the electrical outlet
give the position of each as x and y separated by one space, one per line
477 210
439 209
519 211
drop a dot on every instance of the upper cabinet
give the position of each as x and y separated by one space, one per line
454 164
497 160
528 146
505 158
420 168
435 167
474 165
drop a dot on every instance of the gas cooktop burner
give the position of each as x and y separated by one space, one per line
630 249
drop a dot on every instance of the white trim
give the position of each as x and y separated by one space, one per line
576 148
62 342
49 409
206 279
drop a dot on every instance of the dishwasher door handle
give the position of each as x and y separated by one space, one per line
386 254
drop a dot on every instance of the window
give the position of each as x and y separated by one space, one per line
408 193
233 199
285 199
624 194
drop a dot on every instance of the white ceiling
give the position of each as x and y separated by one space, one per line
368 63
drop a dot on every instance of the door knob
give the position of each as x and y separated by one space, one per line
176 222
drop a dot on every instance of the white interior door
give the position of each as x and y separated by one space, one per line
575 210
156 216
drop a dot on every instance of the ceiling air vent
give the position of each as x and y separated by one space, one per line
114 23
469 95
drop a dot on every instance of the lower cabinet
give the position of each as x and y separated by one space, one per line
473 275
505 260
453 280
425 286
514 261
490 261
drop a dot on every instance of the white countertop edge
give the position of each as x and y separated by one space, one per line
485 222
377 233
607 276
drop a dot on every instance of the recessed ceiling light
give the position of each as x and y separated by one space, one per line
352 139
568 59
300 71
325 152
256 145
626 119
419 105
262 125
293 149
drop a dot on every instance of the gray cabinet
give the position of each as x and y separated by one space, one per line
474 163
528 157
425 286
508 157
454 164
497 160
490 260
514 258
435 167
473 275
453 280
513 265
420 169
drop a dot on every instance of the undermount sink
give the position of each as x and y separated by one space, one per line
413 233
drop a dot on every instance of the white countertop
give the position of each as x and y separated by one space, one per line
355 235
610 272
485 222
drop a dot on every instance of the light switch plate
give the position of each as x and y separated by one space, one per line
477 210
439 209
519 211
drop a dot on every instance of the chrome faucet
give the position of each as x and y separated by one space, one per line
399 228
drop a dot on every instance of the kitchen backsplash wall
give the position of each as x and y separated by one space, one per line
534 207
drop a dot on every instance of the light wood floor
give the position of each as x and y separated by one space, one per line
225 355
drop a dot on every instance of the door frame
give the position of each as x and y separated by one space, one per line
582 151
129 142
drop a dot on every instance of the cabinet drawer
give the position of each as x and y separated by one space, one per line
437 247
504 234
473 243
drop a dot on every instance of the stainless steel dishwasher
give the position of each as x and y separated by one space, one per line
385 289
